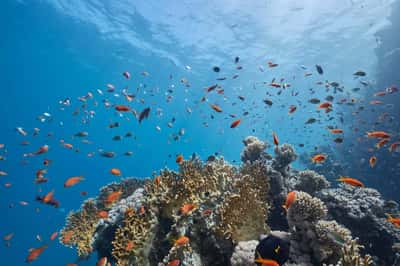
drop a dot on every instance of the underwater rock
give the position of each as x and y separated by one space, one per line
254 149
362 210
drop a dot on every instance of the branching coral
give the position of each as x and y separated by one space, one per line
80 228
131 244
351 255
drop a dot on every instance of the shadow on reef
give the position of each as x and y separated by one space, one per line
214 213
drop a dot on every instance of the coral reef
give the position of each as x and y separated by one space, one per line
254 149
244 253
362 210
214 213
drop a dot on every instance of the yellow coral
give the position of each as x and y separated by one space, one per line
137 230
80 228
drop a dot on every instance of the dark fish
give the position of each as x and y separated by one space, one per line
223 78
311 121
237 59
268 102
274 248
314 101
301 145
128 153
129 134
338 140
144 114
334 84
241 98
107 154
82 134
117 138
319 69
329 98
355 89
360 73
216 69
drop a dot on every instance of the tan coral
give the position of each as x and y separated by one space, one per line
80 228
242 215
306 208
351 255
137 231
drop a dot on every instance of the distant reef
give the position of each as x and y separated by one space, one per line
214 213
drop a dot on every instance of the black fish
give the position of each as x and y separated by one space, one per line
319 69
237 59
144 114
360 73
311 121
338 140
216 69
267 101
273 248
314 101
329 98
107 154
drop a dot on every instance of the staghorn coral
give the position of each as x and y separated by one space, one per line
131 244
80 228
254 149
351 255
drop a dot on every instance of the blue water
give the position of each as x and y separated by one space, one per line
52 50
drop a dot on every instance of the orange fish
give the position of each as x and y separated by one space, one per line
216 108
53 236
174 263
275 137
380 93
290 198
375 102
113 197
122 108
394 221
102 262
66 237
183 240
115 171
325 105
179 158
319 158
393 146
8 237
157 180
292 109
350 181
142 210
266 262
46 162
381 143
73 181
235 123
336 131
41 150
72 264
187 208
129 246
102 214
378 134
68 145
48 197
35 253
372 161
